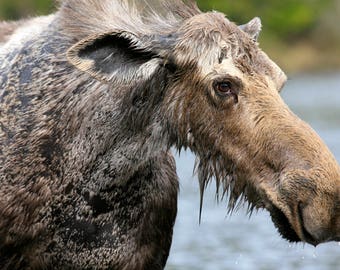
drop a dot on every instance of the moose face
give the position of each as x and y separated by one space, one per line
231 115
220 98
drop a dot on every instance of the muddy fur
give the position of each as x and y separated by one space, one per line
93 97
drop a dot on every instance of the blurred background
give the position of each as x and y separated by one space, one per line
303 37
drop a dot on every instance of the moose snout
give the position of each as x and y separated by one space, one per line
307 207
319 220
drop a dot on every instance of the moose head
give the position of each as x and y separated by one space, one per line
203 83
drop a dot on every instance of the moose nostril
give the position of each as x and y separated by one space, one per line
308 237
318 226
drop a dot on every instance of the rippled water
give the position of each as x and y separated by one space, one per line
237 242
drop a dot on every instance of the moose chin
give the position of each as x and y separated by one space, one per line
92 99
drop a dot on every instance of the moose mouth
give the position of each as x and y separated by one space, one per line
283 225
286 229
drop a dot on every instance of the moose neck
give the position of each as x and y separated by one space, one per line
119 131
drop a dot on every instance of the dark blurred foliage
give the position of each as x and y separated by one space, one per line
288 19
287 24
15 9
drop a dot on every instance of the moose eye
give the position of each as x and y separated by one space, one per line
223 88
226 89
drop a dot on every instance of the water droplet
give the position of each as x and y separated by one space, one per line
239 257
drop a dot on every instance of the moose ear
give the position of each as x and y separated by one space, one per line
252 28
118 57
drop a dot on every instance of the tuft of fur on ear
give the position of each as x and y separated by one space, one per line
116 57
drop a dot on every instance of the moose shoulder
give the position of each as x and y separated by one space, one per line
91 100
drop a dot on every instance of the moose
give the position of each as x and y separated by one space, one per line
93 98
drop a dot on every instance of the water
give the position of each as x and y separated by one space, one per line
224 242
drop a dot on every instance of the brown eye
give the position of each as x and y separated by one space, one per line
225 89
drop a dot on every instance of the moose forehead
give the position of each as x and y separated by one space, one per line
214 44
